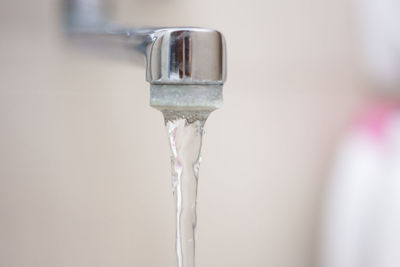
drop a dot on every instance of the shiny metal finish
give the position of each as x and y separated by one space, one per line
186 56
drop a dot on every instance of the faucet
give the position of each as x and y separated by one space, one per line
185 66
186 69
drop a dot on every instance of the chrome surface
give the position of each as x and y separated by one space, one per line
186 56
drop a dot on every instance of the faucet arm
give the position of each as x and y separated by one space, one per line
181 55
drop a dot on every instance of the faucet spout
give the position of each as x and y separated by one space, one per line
180 55
186 56
185 66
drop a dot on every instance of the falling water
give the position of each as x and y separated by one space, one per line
185 131
185 109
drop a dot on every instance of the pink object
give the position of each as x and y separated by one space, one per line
374 121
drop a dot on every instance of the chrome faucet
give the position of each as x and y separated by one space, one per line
189 61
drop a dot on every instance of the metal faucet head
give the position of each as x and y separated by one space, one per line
186 56
186 68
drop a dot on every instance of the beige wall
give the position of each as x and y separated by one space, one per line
84 160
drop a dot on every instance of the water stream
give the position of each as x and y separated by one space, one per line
185 131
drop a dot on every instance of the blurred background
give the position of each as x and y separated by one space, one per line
301 166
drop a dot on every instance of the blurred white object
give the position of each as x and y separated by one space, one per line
361 212
379 21
361 220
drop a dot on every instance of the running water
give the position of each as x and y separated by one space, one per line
185 131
